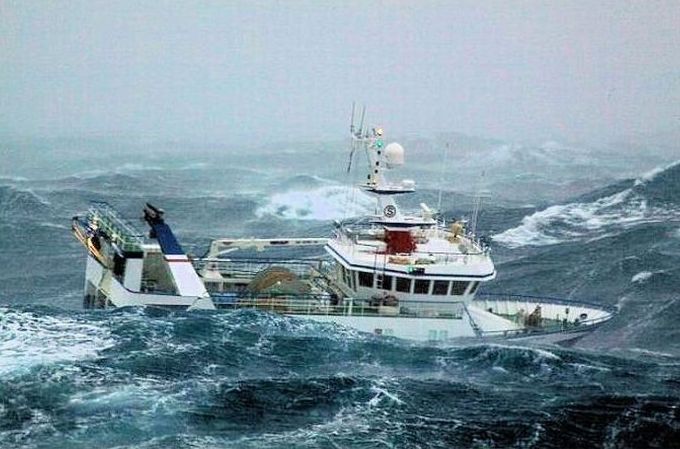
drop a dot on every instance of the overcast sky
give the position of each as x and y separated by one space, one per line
228 70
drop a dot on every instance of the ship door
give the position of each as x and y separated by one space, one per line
118 265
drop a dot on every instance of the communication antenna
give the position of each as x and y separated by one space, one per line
479 195
361 123
355 134
441 179
351 123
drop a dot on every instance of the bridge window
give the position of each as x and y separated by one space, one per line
403 285
440 287
365 279
387 282
475 286
458 287
421 287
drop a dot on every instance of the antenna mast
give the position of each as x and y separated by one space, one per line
351 123
477 205
355 134
441 179
361 124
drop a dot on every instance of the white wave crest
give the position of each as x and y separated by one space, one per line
28 340
562 222
650 175
327 202
641 276
644 276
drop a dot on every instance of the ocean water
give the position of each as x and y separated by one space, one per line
562 221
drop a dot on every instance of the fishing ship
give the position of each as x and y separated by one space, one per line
391 273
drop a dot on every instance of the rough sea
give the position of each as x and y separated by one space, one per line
598 224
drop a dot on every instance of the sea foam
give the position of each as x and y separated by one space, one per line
28 340
325 202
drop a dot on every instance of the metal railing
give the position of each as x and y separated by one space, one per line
248 267
493 296
548 326
325 305
354 236
119 230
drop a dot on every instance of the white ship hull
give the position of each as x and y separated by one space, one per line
103 290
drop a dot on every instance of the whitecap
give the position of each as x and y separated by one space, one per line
47 224
650 175
560 223
641 276
382 394
326 202
28 340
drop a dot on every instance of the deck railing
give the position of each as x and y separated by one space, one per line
548 325
120 230
325 305
251 266
493 296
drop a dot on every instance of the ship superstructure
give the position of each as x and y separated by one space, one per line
390 273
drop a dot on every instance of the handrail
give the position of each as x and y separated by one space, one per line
554 300
558 327
321 304
118 228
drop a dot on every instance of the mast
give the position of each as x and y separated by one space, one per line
382 157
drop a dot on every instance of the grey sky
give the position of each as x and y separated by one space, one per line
588 70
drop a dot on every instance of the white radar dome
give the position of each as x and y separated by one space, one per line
394 155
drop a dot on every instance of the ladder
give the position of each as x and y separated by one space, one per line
379 275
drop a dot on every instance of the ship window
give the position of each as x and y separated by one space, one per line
387 282
458 287
440 287
365 279
403 285
475 286
422 286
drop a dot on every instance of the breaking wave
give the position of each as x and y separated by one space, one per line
29 339
20 202
326 201
651 198
147 378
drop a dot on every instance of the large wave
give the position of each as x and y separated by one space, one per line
145 378
29 339
313 198
21 202
651 198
